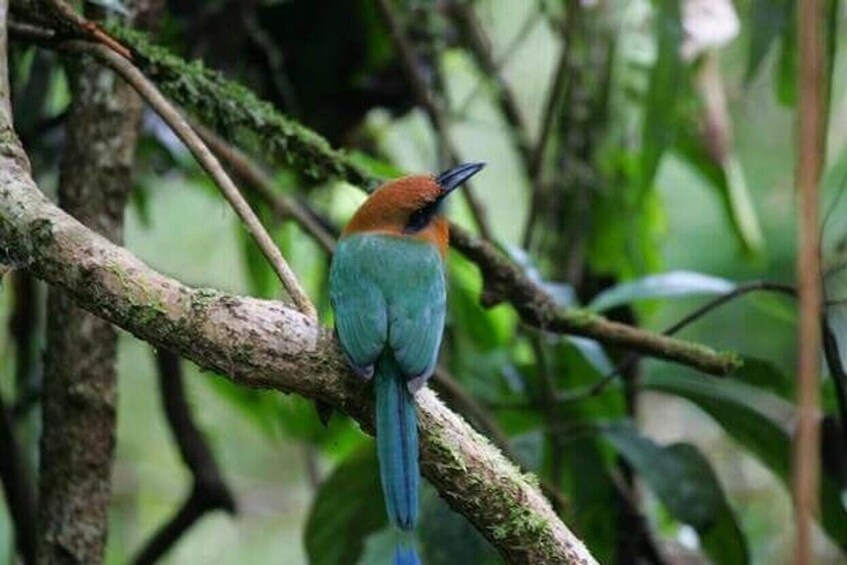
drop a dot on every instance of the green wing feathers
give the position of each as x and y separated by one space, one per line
389 292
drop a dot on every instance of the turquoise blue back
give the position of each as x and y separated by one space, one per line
388 292
388 295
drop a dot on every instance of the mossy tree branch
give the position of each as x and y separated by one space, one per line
262 343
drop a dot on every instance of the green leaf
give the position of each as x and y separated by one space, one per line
764 375
347 508
768 22
742 214
592 494
447 537
760 422
665 285
592 352
787 65
685 483
666 77
728 180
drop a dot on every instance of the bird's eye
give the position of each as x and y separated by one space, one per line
420 218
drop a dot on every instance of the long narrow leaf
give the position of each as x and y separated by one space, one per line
665 285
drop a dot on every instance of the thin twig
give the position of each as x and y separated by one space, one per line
261 182
207 160
548 117
436 116
480 47
810 152
209 491
501 61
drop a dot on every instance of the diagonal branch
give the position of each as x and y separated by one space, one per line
436 116
241 165
207 160
264 344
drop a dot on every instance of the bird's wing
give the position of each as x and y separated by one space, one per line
358 303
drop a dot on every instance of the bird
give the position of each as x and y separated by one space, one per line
388 295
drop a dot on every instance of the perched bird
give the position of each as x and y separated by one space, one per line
387 289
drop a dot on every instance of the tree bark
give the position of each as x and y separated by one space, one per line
80 382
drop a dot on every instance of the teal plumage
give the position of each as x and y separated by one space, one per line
388 293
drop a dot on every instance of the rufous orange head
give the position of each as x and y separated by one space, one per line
410 206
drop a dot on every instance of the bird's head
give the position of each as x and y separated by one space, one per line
410 206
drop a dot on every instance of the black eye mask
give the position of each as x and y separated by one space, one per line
422 217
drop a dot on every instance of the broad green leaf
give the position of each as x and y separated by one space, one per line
768 20
687 500
759 421
347 508
665 79
723 541
685 483
487 329
765 376
665 285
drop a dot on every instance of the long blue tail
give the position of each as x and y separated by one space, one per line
397 448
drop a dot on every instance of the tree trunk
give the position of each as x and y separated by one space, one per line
79 402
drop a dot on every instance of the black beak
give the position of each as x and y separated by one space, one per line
452 178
